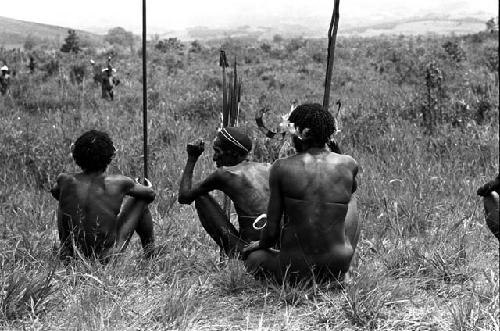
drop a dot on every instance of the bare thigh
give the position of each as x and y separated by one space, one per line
134 216
215 222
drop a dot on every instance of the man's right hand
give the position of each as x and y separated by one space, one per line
195 149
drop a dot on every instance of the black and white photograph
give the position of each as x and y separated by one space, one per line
249 165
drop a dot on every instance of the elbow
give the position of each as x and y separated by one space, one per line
184 199
150 197
54 194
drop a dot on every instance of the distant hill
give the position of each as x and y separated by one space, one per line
13 33
309 28
423 25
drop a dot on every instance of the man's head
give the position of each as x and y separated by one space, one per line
231 146
93 151
313 125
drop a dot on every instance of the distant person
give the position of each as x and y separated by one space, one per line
108 82
245 182
96 73
32 64
4 80
313 190
490 193
99 213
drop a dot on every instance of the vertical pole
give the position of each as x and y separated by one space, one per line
332 37
144 91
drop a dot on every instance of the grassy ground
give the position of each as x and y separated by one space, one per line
426 260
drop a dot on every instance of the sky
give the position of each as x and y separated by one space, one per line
174 15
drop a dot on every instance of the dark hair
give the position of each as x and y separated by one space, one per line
320 122
93 151
235 140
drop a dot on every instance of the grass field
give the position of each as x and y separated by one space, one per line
425 261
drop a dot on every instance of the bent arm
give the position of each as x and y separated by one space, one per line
354 173
55 191
140 191
270 234
188 192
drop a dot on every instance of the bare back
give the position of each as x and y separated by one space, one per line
89 208
316 189
247 185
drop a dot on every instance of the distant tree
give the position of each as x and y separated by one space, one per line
120 36
265 47
29 43
170 44
277 39
295 44
196 47
71 43
454 50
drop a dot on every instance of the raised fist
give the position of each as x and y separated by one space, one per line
196 148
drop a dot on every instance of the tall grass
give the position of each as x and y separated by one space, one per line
425 260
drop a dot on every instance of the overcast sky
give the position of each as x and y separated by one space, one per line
180 14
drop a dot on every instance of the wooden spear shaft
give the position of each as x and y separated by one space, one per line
223 64
332 37
144 92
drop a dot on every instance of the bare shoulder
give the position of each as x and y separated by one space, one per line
344 160
65 177
120 180
243 168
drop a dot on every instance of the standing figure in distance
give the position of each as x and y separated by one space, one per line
4 79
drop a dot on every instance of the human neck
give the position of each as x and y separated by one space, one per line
93 173
313 149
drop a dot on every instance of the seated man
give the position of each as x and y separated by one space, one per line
491 202
245 183
313 189
92 214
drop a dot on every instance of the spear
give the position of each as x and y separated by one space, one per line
144 92
332 37
224 65
235 91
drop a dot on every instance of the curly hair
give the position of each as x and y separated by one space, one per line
320 122
93 151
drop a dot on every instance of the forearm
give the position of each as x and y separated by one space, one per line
185 194
269 236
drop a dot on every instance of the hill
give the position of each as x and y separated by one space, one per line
13 33
310 28
423 25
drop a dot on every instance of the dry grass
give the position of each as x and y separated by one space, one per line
426 260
